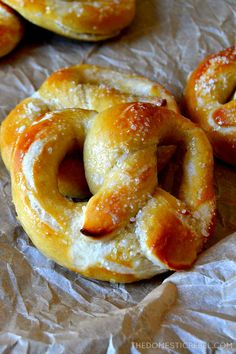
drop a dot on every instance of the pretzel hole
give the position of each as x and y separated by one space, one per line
170 175
230 95
72 182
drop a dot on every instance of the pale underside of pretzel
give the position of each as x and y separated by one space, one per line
11 30
81 86
84 20
210 100
130 229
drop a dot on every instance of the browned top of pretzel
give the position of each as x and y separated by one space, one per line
11 30
85 20
130 228
81 86
210 100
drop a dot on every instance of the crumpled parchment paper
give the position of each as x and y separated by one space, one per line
46 309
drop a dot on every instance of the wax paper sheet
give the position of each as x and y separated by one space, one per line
46 309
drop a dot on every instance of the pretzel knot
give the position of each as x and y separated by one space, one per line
130 228
210 100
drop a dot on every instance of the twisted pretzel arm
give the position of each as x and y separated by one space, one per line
11 30
210 100
91 20
133 139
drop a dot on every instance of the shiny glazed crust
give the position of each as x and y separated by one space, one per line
82 86
85 20
11 30
130 229
210 101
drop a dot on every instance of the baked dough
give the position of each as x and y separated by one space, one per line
11 30
81 86
90 20
130 229
210 100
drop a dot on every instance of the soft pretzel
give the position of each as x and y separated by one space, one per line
82 86
11 30
210 100
91 20
130 229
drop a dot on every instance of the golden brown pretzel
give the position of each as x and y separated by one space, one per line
82 86
90 20
134 228
210 100
11 30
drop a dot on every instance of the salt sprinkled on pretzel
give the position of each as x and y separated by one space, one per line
130 228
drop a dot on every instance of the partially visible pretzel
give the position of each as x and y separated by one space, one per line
210 99
82 86
11 30
91 20
130 229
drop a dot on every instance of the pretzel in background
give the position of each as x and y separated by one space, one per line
210 101
84 20
11 30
